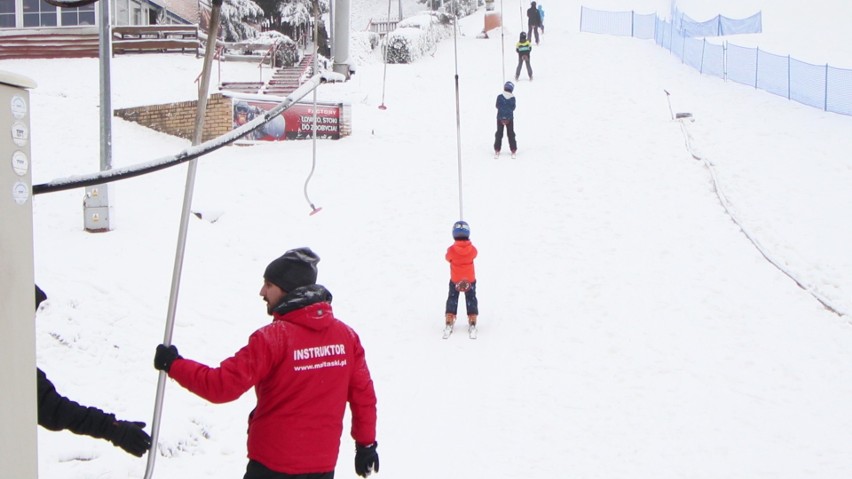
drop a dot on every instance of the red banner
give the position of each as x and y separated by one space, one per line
295 123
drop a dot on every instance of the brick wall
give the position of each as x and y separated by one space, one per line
178 119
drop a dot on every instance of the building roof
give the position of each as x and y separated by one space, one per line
185 9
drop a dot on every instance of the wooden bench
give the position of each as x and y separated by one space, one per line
382 27
155 38
43 43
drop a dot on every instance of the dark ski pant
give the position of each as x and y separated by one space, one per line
256 470
533 29
470 301
521 60
510 132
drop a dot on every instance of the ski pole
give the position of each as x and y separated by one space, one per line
668 99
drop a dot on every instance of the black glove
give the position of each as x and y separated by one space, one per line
165 356
130 437
366 459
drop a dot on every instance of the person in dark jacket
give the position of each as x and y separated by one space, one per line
505 119
533 22
57 413
524 49
304 366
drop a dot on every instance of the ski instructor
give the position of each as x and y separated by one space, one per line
305 366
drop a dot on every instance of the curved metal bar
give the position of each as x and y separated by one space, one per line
70 3
69 183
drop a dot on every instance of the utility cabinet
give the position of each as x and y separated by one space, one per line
18 434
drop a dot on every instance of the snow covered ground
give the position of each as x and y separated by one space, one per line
628 328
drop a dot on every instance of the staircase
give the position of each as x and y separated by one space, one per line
283 82
242 86
286 80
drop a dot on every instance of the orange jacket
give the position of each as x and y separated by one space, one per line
461 255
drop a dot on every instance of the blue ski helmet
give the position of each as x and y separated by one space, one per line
461 230
509 87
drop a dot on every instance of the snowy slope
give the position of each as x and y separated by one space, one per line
628 328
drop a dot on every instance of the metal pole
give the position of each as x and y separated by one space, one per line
341 39
458 116
97 213
502 42
385 72
314 209
184 223
105 52
331 32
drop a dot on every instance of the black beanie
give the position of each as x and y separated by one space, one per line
295 268
39 296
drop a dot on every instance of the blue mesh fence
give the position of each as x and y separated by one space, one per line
610 23
714 60
691 28
677 45
839 97
742 64
807 83
772 73
693 52
717 26
752 24
819 86
644 26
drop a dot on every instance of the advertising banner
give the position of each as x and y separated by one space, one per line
296 123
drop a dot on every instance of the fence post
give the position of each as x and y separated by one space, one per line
581 18
703 48
671 36
756 64
632 22
725 60
789 77
825 100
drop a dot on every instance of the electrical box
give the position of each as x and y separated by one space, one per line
18 436
96 209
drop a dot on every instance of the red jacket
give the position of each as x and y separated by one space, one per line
304 367
461 255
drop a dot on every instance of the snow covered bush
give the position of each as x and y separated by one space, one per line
462 7
238 18
362 46
287 52
416 36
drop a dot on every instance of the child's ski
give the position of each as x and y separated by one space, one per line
448 330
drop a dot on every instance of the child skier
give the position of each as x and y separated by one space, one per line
462 279
505 119
524 48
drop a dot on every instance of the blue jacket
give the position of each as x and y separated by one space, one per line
505 106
